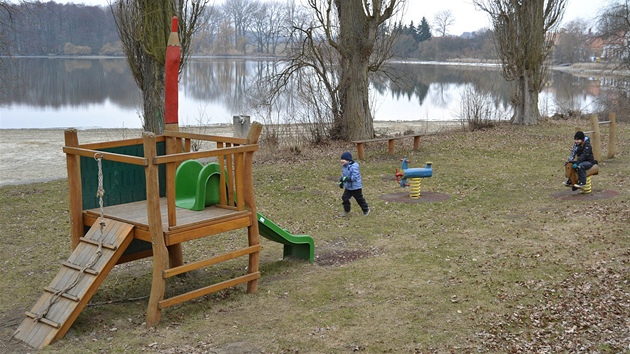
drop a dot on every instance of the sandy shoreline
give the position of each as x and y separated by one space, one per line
36 155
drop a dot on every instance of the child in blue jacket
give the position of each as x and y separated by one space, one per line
351 180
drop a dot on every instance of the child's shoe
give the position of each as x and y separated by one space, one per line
580 185
344 214
366 213
568 183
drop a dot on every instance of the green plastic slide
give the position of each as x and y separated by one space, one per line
299 246
197 186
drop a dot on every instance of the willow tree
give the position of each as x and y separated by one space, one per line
524 32
144 27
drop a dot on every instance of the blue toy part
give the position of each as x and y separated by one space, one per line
419 172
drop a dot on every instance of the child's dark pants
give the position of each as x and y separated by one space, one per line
358 196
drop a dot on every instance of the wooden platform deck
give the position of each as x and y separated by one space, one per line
190 224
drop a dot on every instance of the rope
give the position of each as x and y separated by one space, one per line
100 192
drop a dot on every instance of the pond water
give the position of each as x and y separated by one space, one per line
101 93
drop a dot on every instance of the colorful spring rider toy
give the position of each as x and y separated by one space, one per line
414 175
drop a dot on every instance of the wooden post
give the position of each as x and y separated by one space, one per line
160 253
175 254
360 151
596 140
416 143
75 189
250 203
240 126
390 146
612 138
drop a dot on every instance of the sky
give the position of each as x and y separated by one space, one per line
467 18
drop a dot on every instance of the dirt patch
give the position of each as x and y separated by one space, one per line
337 258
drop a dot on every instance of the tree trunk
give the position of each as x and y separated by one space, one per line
356 119
153 97
356 42
525 102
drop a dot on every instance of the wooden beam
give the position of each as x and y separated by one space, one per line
203 154
160 253
208 289
75 189
215 138
133 160
210 261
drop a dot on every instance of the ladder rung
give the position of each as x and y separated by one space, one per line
64 295
43 320
96 243
79 268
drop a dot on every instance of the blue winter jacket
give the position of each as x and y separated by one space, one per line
353 179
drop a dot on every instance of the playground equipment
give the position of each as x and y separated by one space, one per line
198 187
299 246
142 220
596 137
571 174
414 175
138 215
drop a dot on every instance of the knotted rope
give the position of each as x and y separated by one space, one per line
100 192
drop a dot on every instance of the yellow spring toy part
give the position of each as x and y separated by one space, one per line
414 188
588 187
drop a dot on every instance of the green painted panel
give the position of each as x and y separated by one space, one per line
123 183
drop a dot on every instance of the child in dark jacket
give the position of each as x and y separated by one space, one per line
353 183
570 161
583 158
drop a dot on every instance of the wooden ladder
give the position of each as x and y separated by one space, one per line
56 310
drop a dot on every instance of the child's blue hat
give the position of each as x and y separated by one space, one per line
346 156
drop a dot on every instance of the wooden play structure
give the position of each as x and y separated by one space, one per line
122 208
123 201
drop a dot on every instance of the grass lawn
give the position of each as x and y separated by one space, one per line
507 262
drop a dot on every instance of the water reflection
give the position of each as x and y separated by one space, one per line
57 92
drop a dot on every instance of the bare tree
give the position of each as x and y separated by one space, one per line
524 35
144 27
6 15
345 42
571 44
614 27
267 26
241 14
442 21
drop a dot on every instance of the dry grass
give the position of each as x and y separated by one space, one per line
501 266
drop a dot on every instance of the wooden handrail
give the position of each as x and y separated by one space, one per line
117 143
216 138
133 160
203 154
